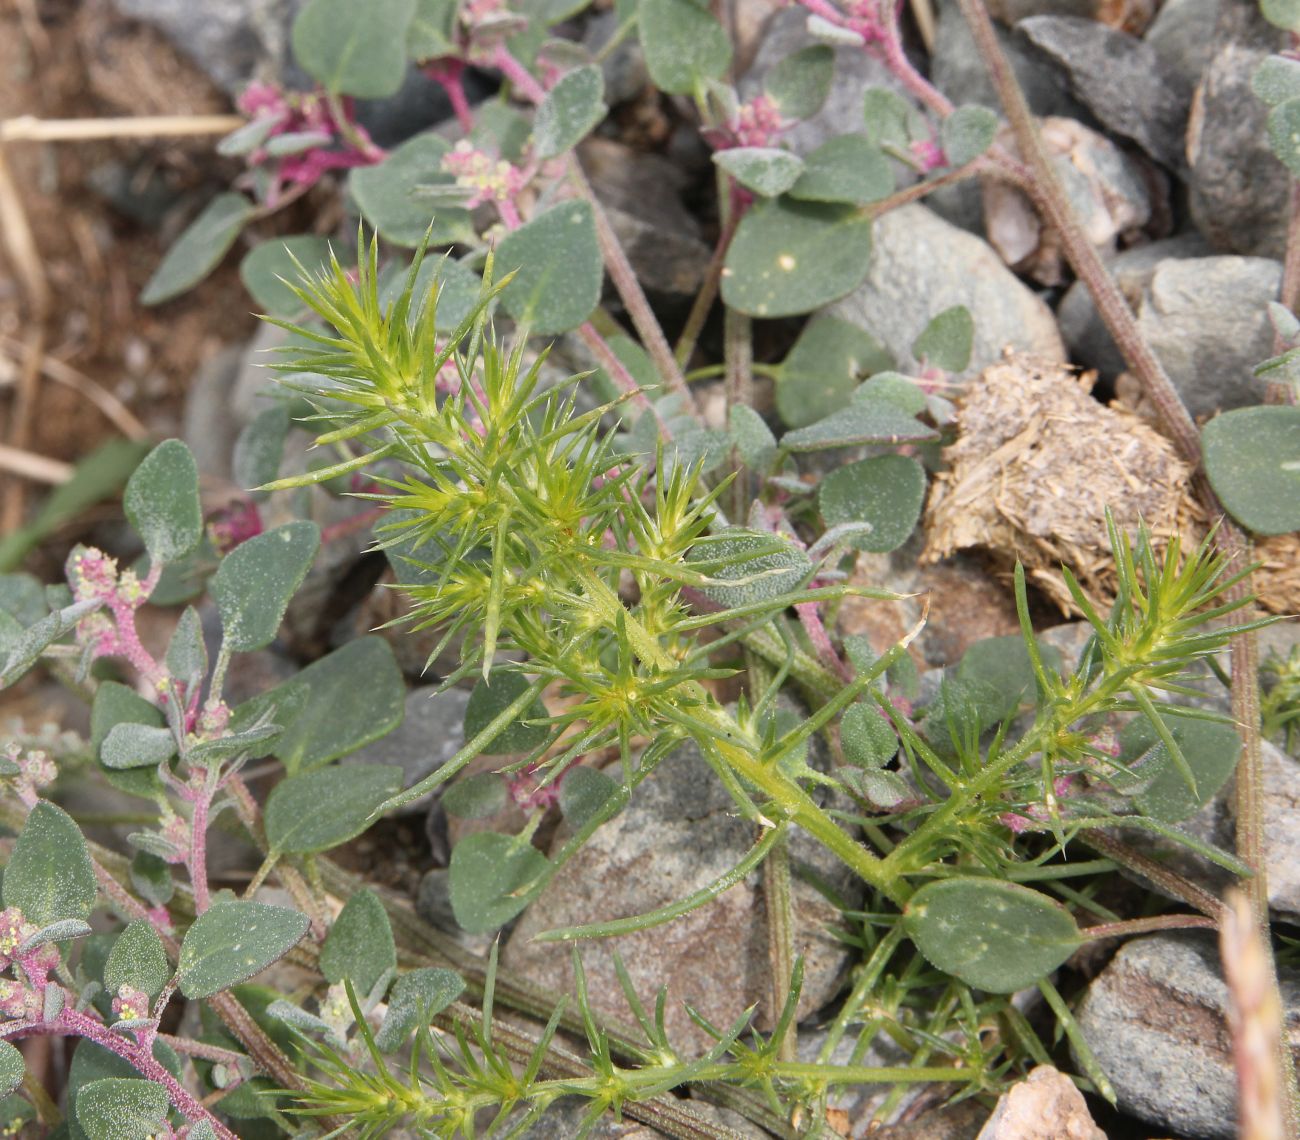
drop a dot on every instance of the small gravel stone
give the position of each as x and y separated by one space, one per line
1119 79
431 733
1206 318
1046 1105
921 265
1155 1020
1238 188
680 833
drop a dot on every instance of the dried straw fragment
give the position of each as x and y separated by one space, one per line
1035 465
1037 461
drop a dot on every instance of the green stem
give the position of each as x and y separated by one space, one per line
794 803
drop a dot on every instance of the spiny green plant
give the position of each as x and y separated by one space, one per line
554 563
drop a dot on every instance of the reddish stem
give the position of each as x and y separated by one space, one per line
520 77
72 1022
447 73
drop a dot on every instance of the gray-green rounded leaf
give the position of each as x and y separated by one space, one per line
1211 750
270 270
999 937
792 257
886 492
130 745
399 195
749 566
431 30
858 424
1284 134
255 581
162 502
847 168
417 997
867 737
354 696
231 941
501 689
122 1108
50 876
583 792
318 810
751 435
800 83
823 368
967 133
558 269
1252 456
1282 13
12 1068
476 796
571 109
684 44
492 878
947 340
354 49
1276 80
138 960
200 247
360 944
766 170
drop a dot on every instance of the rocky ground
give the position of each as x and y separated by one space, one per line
1161 144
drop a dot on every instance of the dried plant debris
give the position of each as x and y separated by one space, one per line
1036 463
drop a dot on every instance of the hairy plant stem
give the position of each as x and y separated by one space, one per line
739 359
1051 200
1155 873
74 1023
630 292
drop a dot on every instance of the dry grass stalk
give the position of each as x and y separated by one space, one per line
1255 1018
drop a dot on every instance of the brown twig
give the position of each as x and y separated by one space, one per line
37 468
116 412
29 128
630 292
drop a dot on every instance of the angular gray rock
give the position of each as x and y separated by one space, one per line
1155 1019
233 41
1239 190
1182 36
680 833
1206 318
1119 79
431 733
1084 331
958 70
921 265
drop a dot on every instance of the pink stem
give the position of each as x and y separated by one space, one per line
197 862
447 74
811 620
896 60
520 77
72 1022
509 214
